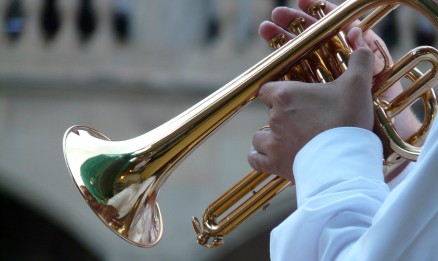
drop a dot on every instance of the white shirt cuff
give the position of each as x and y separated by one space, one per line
337 154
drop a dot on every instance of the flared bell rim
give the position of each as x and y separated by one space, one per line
87 132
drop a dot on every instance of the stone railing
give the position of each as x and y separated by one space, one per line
158 42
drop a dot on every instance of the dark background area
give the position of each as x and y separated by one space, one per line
29 235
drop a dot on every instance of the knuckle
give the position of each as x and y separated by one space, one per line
275 123
273 147
355 79
255 139
282 96
252 161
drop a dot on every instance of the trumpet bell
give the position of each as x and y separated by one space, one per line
120 180
109 178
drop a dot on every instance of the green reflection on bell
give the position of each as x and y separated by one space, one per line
100 173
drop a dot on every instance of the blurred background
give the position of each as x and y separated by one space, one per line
125 67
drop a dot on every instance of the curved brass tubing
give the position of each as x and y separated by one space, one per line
120 180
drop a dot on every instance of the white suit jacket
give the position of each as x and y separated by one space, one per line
347 212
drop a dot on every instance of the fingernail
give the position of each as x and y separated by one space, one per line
359 40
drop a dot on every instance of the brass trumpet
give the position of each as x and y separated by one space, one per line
120 180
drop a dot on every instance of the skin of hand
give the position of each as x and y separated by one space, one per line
282 16
406 122
300 111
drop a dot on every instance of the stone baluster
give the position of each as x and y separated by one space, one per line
67 39
102 40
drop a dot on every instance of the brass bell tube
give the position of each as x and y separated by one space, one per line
120 180
396 150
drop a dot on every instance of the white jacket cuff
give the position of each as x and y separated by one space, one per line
337 154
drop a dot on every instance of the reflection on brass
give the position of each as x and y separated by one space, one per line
278 41
120 180
297 25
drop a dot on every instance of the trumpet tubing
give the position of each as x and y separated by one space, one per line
120 180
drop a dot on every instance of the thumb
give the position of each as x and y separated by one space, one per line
360 68
355 84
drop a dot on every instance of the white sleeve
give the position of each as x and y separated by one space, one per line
347 212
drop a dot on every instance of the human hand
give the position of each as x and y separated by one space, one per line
283 16
406 122
299 111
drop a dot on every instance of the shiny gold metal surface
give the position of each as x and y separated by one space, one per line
120 180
